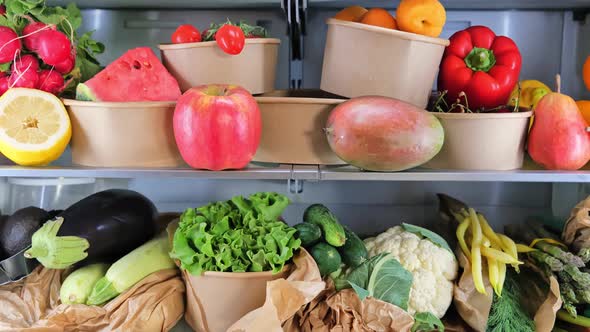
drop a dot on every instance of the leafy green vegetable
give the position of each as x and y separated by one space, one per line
507 313
432 236
426 322
239 235
67 20
383 278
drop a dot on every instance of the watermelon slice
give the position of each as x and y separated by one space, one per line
138 75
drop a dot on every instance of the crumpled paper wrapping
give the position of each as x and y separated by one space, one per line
284 297
474 308
32 305
576 232
343 311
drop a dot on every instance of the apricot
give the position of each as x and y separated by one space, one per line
424 17
379 17
352 13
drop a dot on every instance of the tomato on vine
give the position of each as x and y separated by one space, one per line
231 39
186 33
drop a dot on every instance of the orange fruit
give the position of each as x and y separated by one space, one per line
584 106
586 73
424 17
379 17
352 13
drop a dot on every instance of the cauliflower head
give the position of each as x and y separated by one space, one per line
434 269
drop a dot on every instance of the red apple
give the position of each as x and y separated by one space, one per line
217 127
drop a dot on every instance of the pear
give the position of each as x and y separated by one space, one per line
559 139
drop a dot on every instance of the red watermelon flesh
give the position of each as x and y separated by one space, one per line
138 75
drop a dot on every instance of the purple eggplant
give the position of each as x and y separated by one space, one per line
101 227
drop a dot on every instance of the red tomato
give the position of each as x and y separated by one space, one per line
230 39
186 33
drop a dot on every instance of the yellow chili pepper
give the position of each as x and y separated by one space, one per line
524 248
476 265
510 247
499 256
461 229
494 274
550 241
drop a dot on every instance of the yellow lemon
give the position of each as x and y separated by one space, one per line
34 127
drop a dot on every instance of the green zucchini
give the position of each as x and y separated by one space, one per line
353 252
333 231
78 285
309 234
146 259
327 258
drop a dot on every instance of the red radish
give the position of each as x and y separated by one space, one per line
51 81
26 79
4 85
2 10
53 46
24 63
9 44
31 34
67 65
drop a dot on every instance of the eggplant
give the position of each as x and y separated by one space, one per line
101 227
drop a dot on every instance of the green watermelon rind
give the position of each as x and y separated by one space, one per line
84 93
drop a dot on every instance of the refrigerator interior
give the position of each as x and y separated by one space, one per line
552 41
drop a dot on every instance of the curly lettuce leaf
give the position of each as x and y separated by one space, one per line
239 235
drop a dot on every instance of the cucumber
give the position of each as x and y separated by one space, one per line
353 252
308 233
146 259
78 285
327 258
320 215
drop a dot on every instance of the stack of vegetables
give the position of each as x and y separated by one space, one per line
555 258
87 235
330 243
484 249
417 261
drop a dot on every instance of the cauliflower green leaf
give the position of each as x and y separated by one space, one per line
430 235
383 278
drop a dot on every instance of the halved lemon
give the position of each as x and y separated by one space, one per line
34 127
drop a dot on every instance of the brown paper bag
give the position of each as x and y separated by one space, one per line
474 308
32 305
576 232
343 311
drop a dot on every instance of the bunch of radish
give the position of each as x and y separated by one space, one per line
38 58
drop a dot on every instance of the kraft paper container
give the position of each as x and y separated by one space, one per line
123 134
361 59
216 300
194 64
482 141
293 128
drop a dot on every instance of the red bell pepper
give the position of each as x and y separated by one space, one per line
484 66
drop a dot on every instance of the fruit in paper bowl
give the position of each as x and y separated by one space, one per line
217 127
383 134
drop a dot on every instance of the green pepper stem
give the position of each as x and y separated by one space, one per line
480 59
